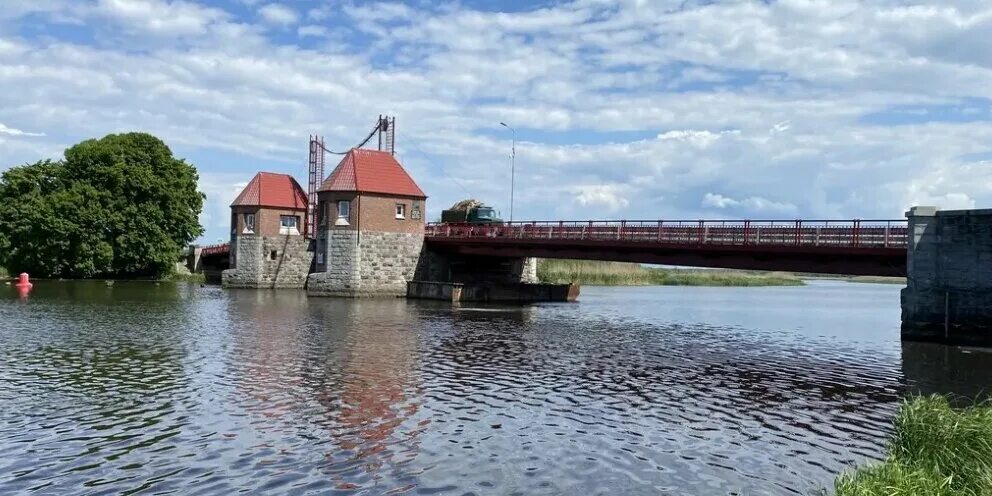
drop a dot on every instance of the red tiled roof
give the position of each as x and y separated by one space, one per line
371 171
268 189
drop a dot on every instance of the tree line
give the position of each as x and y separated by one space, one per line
121 206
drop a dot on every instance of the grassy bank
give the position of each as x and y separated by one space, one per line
936 451
186 277
597 273
861 279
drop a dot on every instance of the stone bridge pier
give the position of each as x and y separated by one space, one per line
446 275
948 294
441 266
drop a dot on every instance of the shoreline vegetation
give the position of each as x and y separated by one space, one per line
596 273
599 273
936 450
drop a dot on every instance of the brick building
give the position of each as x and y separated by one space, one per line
370 227
268 249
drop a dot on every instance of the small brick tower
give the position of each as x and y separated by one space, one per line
268 249
370 227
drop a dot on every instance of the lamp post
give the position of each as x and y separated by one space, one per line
513 157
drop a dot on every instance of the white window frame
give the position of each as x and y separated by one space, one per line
344 214
400 211
293 229
249 226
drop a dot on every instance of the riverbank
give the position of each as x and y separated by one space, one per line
596 273
860 279
936 450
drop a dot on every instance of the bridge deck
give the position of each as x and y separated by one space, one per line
863 247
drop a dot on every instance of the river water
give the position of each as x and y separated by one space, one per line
174 388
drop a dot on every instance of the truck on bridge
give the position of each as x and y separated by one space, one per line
470 212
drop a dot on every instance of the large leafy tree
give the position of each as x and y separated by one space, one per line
119 206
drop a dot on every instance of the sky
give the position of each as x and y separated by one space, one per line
631 109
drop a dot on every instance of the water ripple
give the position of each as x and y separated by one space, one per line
176 389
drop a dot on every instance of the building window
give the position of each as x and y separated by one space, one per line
400 211
273 255
289 224
415 211
344 213
249 223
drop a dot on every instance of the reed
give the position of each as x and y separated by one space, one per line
936 450
596 273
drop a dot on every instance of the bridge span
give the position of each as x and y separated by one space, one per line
853 247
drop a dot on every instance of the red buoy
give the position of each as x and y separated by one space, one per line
23 281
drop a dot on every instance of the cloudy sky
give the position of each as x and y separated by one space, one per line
633 109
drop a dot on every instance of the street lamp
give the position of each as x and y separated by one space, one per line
513 157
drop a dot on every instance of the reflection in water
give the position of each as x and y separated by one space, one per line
964 373
634 390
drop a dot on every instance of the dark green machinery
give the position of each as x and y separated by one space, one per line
470 212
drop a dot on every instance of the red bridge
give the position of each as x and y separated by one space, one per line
855 247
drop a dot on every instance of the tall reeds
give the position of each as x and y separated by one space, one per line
936 451
598 273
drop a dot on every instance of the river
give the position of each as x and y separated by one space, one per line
177 388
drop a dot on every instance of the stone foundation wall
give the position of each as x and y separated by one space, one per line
367 264
948 294
269 262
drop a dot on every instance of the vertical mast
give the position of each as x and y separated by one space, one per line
316 175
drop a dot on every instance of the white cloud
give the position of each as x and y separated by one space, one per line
278 14
311 30
781 127
160 17
701 139
752 203
608 196
630 109
16 132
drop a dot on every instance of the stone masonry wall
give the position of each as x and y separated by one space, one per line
367 264
948 294
269 262
388 261
341 257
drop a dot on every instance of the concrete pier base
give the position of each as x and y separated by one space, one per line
948 294
491 292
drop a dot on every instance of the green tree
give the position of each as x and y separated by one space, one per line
119 206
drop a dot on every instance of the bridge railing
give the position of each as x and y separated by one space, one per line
215 249
825 233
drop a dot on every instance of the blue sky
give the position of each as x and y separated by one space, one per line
628 109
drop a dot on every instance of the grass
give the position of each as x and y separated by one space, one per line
936 451
597 273
186 277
